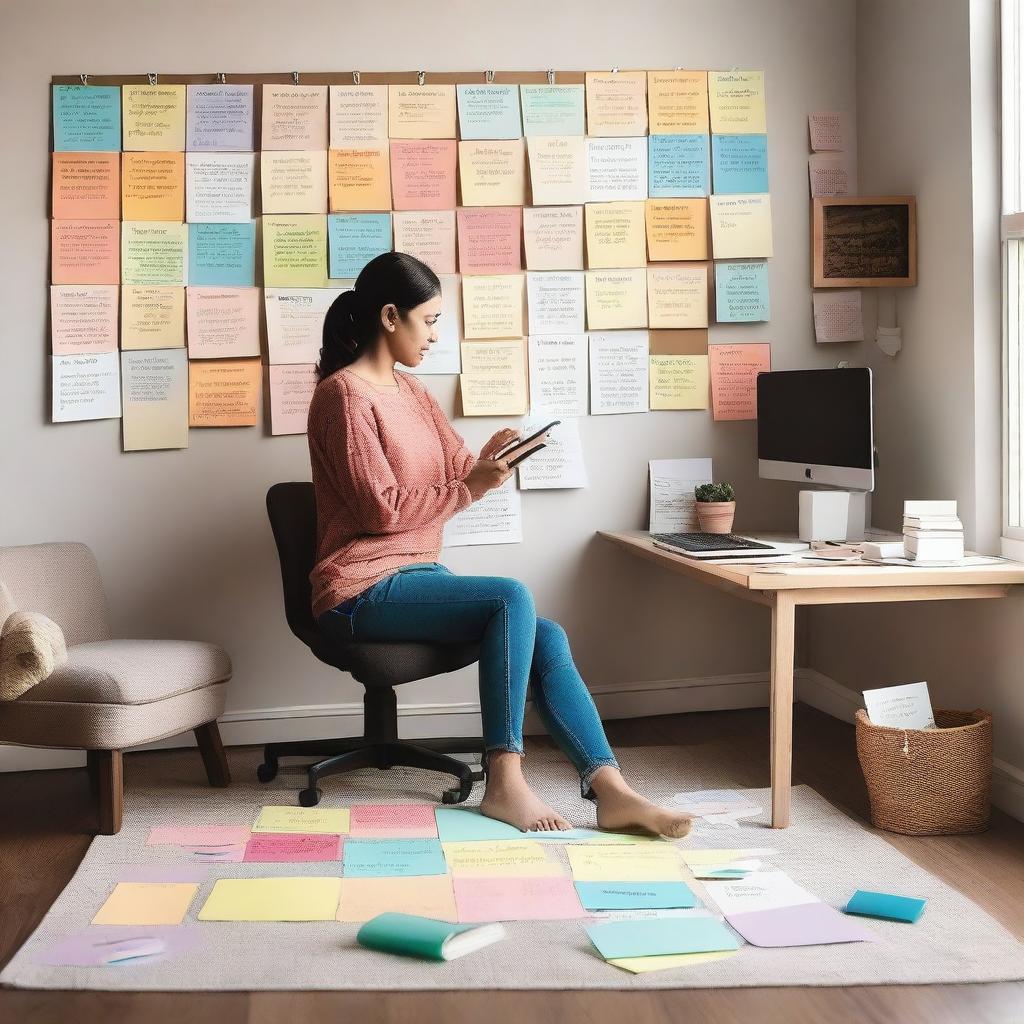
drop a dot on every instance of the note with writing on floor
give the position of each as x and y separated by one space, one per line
500 857
374 858
652 862
307 820
271 848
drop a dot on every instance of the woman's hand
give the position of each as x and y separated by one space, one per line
501 439
485 475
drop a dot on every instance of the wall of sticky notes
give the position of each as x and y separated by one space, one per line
201 229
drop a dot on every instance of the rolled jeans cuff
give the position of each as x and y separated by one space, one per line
587 776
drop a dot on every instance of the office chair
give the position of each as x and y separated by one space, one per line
380 667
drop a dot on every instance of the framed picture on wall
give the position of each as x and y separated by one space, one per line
864 242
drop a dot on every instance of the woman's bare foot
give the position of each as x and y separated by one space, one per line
619 807
508 798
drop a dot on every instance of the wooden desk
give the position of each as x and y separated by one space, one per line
784 588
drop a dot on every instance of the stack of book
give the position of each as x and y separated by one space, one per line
932 531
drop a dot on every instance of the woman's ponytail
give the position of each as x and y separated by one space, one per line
352 323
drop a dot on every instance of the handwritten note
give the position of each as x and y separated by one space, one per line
359 178
154 400
294 117
294 181
83 318
828 130
619 374
85 387
502 857
616 103
616 299
830 174
295 251
86 186
223 322
421 111
222 254
291 391
617 169
492 173
354 239
559 374
555 301
489 111
677 295
677 229
553 237
616 235
736 101
429 235
405 820
86 118
153 186
837 315
358 114
84 252
219 118
489 240
295 321
223 392
219 187
152 316
423 174
154 117
734 370
552 109
153 252
739 163
558 169
741 292
678 166
286 849
741 226
677 102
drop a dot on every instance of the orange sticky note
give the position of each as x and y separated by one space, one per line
427 896
423 174
489 239
85 252
734 370
86 186
223 322
677 229
147 903
359 179
153 186
223 392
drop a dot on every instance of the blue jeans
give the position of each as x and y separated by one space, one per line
428 603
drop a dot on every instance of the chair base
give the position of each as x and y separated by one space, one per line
362 752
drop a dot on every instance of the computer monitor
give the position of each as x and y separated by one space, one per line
815 426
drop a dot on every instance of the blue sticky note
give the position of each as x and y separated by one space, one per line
661 937
635 895
552 109
489 112
222 254
739 163
461 826
677 166
885 905
378 858
353 239
86 118
741 291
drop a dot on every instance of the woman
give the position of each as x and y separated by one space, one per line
389 470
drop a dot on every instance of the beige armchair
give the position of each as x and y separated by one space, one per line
110 694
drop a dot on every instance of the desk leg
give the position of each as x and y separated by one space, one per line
783 630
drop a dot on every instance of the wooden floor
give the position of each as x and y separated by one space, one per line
46 818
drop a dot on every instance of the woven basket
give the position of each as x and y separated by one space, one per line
929 782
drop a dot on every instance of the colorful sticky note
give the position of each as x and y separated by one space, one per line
677 229
223 322
421 111
615 235
741 226
635 895
319 820
552 109
739 163
153 186
646 964
358 114
741 292
553 237
423 174
406 820
152 316
516 899
272 848
225 393
153 252
489 111
354 239
678 166
294 181
736 101
85 252
86 186
429 235
734 370
86 118
83 318
294 117
616 103
219 187
679 382
492 306
219 118
616 299
154 903
272 899
489 239
222 254
375 858
616 169
295 251
359 178
426 896
154 416
500 857
677 102
291 391
661 937
558 169
154 117
677 295
885 905
197 835
492 173
647 863
805 924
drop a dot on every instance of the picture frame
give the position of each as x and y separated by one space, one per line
864 242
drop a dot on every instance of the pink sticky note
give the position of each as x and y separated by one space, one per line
223 322
516 899
403 821
807 924
423 174
85 252
291 391
198 835
281 848
734 370
490 239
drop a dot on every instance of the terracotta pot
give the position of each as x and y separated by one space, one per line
716 516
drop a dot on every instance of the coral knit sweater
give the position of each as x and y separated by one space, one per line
387 472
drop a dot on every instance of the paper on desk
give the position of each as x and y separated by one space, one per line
673 481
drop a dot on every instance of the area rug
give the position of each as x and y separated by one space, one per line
824 850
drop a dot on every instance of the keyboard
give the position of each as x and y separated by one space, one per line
710 542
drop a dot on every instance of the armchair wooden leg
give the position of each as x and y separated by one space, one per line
92 766
110 780
214 758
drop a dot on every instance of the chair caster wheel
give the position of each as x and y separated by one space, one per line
457 794
310 797
266 772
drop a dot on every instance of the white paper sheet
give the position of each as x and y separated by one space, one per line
900 707
559 374
760 890
619 372
555 302
444 355
559 463
673 481
495 519
86 387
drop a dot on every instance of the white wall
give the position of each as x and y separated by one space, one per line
182 537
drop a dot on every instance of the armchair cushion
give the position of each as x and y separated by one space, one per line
31 649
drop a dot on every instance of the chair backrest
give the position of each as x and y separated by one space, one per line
62 581
292 511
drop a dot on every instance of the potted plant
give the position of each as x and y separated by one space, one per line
716 507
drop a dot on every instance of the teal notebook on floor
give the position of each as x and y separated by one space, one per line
424 937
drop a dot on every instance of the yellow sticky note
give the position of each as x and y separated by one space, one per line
558 169
427 896
493 394
741 226
616 299
154 252
677 229
421 111
679 382
494 356
652 863
492 305
646 964
736 99
294 181
617 103
677 102
331 821
616 235
138 903
295 251
360 178
501 858
492 173
677 295
152 316
154 117
272 899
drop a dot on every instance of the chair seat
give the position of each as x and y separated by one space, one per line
382 665
132 672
